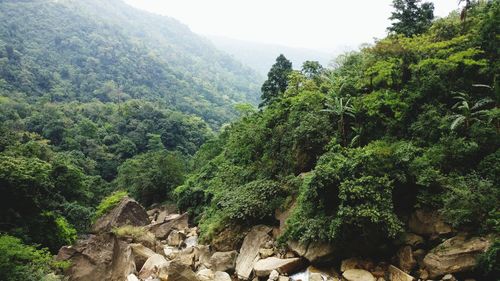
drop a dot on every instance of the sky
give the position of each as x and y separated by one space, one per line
313 24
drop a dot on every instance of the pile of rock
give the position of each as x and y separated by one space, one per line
163 247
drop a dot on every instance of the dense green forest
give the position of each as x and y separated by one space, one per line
96 98
409 122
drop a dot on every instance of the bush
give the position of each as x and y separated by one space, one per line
20 262
152 176
489 262
249 204
135 232
109 203
473 202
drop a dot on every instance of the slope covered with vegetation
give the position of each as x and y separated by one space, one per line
409 122
97 96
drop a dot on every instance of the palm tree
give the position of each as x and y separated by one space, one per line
467 112
341 108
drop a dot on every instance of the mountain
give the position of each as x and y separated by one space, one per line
104 49
260 56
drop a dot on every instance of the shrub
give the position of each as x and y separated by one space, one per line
471 201
20 262
489 262
109 203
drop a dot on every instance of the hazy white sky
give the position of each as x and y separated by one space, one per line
314 24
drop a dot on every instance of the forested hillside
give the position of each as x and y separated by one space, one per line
411 122
387 156
95 96
68 50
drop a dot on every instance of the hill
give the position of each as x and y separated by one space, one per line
103 49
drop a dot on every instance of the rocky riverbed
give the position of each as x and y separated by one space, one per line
131 244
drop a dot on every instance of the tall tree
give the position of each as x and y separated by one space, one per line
411 17
277 80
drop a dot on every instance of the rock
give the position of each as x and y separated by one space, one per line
315 277
355 263
449 277
132 277
428 223
457 254
65 253
249 251
284 278
314 252
101 257
412 239
153 266
224 261
141 254
358 275
162 215
191 241
202 255
162 230
264 267
205 275
265 253
127 212
175 238
273 276
178 272
170 252
186 257
229 239
221 276
396 274
405 259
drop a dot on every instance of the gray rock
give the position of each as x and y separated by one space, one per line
358 275
457 254
264 267
223 261
127 212
249 251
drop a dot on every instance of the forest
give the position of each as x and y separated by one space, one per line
92 108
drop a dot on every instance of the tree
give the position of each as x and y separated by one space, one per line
468 112
411 17
277 80
341 108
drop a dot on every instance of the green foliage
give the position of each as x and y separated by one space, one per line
109 203
489 262
22 262
151 177
472 202
411 17
277 80
123 54
135 232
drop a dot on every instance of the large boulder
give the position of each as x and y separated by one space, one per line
221 276
314 252
127 212
357 275
161 230
153 266
405 258
428 223
100 257
457 254
223 261
396 274
249 251
178 272
141 254
264 267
